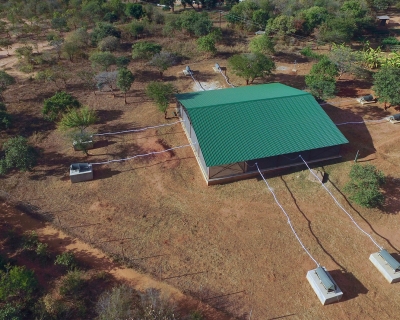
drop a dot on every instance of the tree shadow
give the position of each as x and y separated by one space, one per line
103 143
364 219
310 226
357 134
294 80
57 165
392 195
349 284
100 173
288 57
108 115
117 127
26 124
348 88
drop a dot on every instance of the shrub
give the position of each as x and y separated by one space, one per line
18 155
162 61
154 306
17 282
308 52
66 259
109 43
10 312
122 61
42 251
5 120
102 60
364 186
116 303
145 50
58 104
134 10
102 30
72 284
161 93
136 29
390 41
30 241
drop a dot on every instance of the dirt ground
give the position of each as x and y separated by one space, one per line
226 245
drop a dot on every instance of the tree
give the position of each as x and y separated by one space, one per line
387 85
198 24
18 282
161 93
71 49
58 104
17 155
145 50
106 79
312 18
78 118
102 30
321 86
136 28
321 79
344 58
102 60
207 44
162 61
134 10
125 79
109 43
337 30
88 79
249 15
5 81
364 186
251 66
262 44
280 25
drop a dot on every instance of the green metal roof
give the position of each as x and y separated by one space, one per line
252 122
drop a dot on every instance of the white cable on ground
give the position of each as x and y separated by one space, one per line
136 130
340 206
287 216
141 155
363 122
226 78
196 82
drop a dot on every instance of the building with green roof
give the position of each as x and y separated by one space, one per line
270 124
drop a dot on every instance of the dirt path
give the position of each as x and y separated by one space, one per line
95 259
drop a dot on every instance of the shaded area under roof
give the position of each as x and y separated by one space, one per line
252 122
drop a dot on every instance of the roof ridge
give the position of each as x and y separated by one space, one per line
255 100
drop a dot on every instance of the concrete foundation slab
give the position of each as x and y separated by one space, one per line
325 296
79 172
384 268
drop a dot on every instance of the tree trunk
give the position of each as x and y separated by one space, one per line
125 97
247 82
165 114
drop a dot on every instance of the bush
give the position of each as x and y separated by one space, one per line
122 61
145 50
18 155
17 282
10 312
364 186
66 259
72 284
116 303
102 60
136 29
102 30
390 41
30 240
109 43
58 104
161 93
308 52
134 10
5 120
154 306
42 251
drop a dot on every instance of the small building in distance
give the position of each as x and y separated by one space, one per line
383 20
272 124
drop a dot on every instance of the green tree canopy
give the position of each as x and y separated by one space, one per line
251 66
5 118
364 185
134 10
249 15
262 44
207 44
198 24
161 93
321 80
58 104
312 18
145 50
387 85
17 155
78 118
281 25
102 30
102 60
125 79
